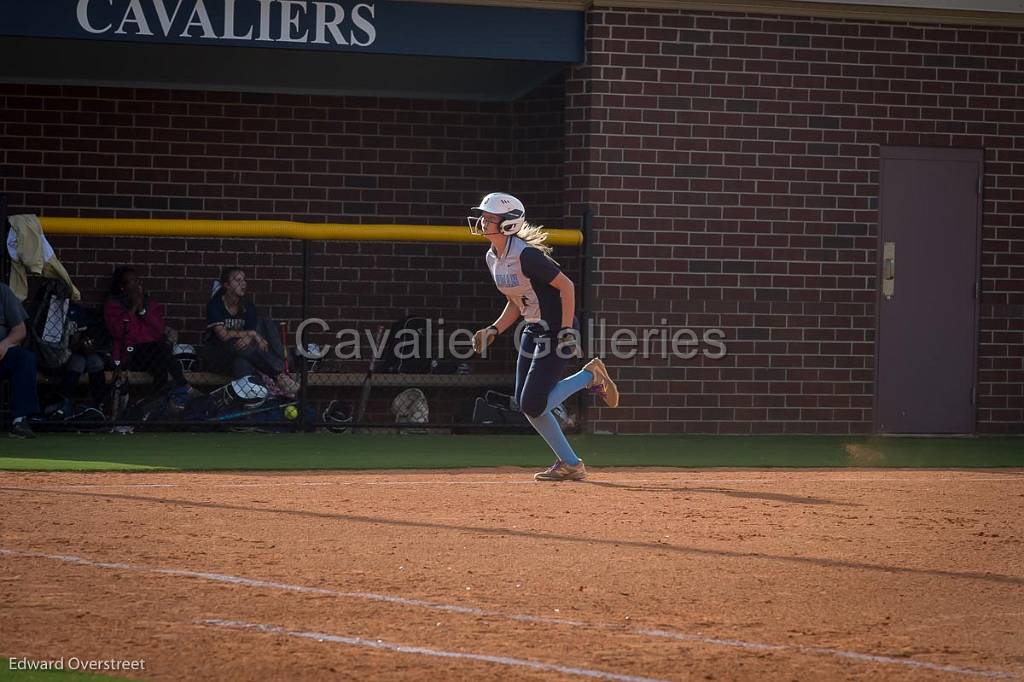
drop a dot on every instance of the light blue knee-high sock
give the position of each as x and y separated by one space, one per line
566 387
547 426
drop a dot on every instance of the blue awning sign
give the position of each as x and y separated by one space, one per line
321 23
384 26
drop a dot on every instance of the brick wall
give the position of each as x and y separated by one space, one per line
75 151
538 164
732 164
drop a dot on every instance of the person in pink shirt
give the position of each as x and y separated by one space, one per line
136 323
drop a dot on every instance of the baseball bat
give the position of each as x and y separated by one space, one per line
258 410
283 328
364 393
120 380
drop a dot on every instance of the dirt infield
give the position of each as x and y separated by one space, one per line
668 575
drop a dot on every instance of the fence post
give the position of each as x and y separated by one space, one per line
5 267
587 271
304 424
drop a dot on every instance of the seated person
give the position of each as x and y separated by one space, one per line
86 345
239 341
135 322
16 363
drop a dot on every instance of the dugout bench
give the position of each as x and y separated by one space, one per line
330 379
317 381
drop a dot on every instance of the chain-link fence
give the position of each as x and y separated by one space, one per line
414 374
382 394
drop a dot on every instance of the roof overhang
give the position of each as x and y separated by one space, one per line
237 69
363 47
1008 13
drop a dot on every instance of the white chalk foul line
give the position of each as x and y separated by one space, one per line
454 608
424 651
853 655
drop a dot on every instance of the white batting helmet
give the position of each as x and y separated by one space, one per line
505 206
245 391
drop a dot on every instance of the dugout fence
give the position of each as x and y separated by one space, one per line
410 370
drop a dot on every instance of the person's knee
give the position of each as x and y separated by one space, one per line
22 360
76 363
533 405
93 363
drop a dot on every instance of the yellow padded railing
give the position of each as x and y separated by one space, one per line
271 229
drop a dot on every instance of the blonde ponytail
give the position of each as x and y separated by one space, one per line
535 236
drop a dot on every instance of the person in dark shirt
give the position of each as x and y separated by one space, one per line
239 340
537 290
17 363
86 341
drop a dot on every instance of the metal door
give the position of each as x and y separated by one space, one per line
929 246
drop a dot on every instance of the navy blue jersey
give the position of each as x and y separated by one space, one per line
218 314
524 274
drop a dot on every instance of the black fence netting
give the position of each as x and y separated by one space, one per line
319 388
404 371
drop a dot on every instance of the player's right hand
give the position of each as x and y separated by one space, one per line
483 338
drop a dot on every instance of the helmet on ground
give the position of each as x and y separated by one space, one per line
247 391
509 209
410 407
338 416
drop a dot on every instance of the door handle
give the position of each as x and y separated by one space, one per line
888 269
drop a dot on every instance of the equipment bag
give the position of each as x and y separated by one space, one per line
406 349
49 328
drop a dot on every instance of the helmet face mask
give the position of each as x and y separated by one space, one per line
509 210
186 355
476 223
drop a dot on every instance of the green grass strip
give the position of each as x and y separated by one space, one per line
256 451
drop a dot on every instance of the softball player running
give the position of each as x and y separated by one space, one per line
537 290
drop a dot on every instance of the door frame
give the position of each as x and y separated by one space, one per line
977 156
